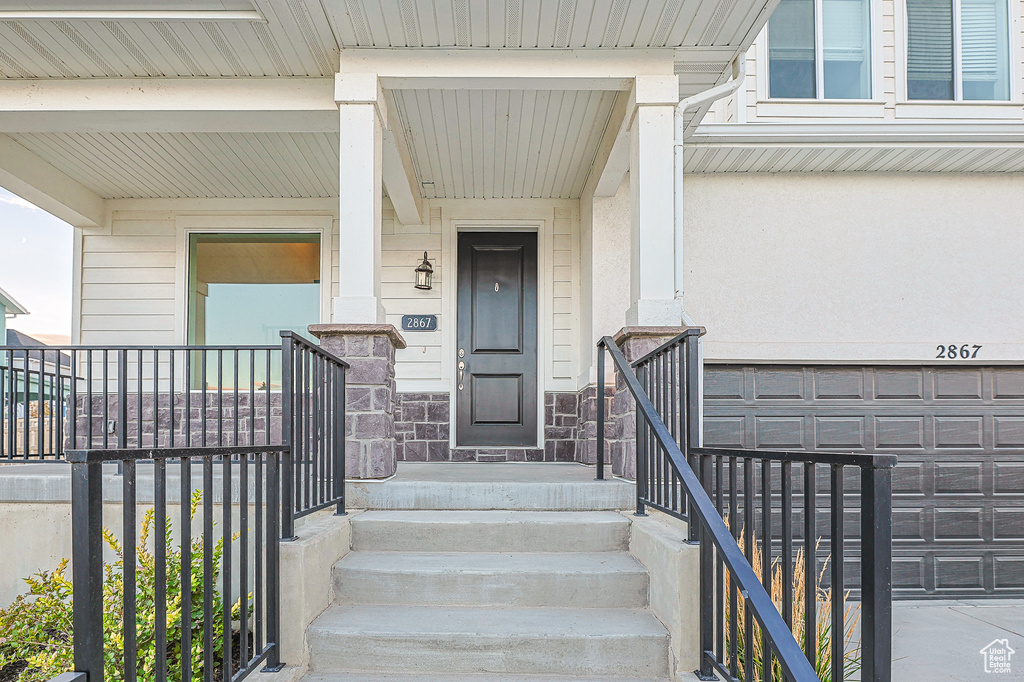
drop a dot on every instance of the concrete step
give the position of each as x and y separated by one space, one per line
499 641
537 487
490 531
483 677
581 580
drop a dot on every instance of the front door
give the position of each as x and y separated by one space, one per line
496 363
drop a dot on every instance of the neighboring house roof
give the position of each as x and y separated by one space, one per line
18 339
13 307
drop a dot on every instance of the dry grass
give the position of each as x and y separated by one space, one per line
823 618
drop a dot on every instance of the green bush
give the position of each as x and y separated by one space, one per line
38 629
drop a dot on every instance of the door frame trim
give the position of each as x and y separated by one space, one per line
449 297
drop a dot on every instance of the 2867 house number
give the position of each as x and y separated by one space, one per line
955 352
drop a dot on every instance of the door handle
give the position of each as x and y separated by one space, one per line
462 369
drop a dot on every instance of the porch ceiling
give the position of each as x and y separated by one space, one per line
503 144
236 38
187 165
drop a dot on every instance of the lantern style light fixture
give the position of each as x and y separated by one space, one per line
424 274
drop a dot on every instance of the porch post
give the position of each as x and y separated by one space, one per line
362 117
652 262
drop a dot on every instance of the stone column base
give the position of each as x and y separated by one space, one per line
369 349
635 343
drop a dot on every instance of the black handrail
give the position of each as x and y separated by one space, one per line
713 527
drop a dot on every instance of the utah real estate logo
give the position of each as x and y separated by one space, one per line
997 656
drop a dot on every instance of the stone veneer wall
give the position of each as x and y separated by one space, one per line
586 451
561 424
423 429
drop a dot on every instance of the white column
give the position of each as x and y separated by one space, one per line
652 284
363 115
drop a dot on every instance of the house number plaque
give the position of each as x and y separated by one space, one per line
419 323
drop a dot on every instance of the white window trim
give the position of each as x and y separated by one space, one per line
876 55
187 225
934 108
819 107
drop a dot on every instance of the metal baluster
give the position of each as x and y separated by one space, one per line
289 406
838 627
160 560
225 573
243 528
641 454
220 396
719 464
707 590
185 578
600 411
138 417
810 566
273 514
234 390
87 566
748 547
40 406
766 557
876 578
339 441
208 542
734 527
787 543
128 545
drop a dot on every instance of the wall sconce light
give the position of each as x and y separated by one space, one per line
424 274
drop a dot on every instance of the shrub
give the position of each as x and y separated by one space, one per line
37 628
823 630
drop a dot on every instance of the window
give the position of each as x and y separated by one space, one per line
820 49
957 50
244 289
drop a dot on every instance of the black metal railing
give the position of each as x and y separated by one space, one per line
749 626
32 405
314 425
56 399
221 584
251 438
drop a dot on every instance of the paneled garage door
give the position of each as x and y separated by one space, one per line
958 491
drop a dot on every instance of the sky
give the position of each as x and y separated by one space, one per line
35 268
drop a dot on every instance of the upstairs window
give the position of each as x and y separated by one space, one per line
820 49
958 50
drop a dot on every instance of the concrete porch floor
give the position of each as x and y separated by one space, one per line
493 485
416 485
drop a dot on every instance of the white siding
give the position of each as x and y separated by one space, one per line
128 281
402 248
564 294
889 98
130 276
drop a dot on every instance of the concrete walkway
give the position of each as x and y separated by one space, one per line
942 640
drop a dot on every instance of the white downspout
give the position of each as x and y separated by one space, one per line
739 71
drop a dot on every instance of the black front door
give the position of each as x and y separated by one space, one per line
496 363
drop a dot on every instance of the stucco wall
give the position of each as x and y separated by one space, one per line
879 268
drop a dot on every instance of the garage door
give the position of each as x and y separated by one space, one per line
958 491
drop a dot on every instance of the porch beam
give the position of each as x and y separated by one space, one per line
156 105
616 164
399 173
49 188
508 69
